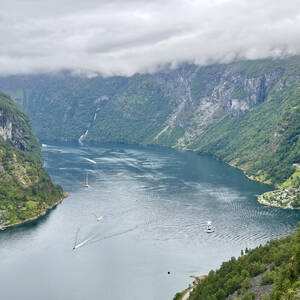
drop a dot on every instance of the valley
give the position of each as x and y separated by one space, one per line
155 203
245 113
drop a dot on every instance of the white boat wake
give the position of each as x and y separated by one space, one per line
108 230
93 238
90 160
115 234
83 242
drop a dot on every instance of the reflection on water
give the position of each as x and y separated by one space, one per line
154 205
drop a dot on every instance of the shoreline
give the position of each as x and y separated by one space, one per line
279 198
259 198
277 203
277 190
42 214
185 294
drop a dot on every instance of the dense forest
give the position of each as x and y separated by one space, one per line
26 190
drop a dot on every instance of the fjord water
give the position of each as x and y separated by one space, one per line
155 203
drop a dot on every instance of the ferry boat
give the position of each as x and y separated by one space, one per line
209 227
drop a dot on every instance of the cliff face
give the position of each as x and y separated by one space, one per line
5 128
26 191
244 113
210 94
15 127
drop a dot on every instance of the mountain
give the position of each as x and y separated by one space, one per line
267 272
26 190
245 113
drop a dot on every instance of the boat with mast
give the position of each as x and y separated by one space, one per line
86 180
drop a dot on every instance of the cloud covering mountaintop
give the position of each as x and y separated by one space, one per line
124 37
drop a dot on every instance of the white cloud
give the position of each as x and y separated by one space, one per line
124 37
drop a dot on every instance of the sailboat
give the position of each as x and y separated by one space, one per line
86 180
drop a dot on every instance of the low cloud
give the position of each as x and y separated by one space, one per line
125 37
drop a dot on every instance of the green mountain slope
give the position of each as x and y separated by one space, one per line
26 190
267 272
244 113
18 132
265 141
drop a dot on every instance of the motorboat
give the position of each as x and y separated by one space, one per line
209 227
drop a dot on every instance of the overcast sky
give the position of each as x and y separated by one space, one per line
123 37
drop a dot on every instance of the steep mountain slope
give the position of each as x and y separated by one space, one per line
15 127
244 113
172 107
26 191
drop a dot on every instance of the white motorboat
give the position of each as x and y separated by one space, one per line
209 227
98 218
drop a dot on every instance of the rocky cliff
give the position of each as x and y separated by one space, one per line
15 127
26 191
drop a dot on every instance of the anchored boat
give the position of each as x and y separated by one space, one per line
86 180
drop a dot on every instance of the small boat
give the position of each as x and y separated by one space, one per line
86 180
76 239
209 227
98 218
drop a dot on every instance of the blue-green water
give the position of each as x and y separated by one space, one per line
155 203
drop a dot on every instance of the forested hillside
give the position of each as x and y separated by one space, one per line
269 272
245 113
26 190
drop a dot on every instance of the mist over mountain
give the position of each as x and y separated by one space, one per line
111 79
118 38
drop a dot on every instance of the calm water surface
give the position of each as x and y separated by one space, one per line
155 203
